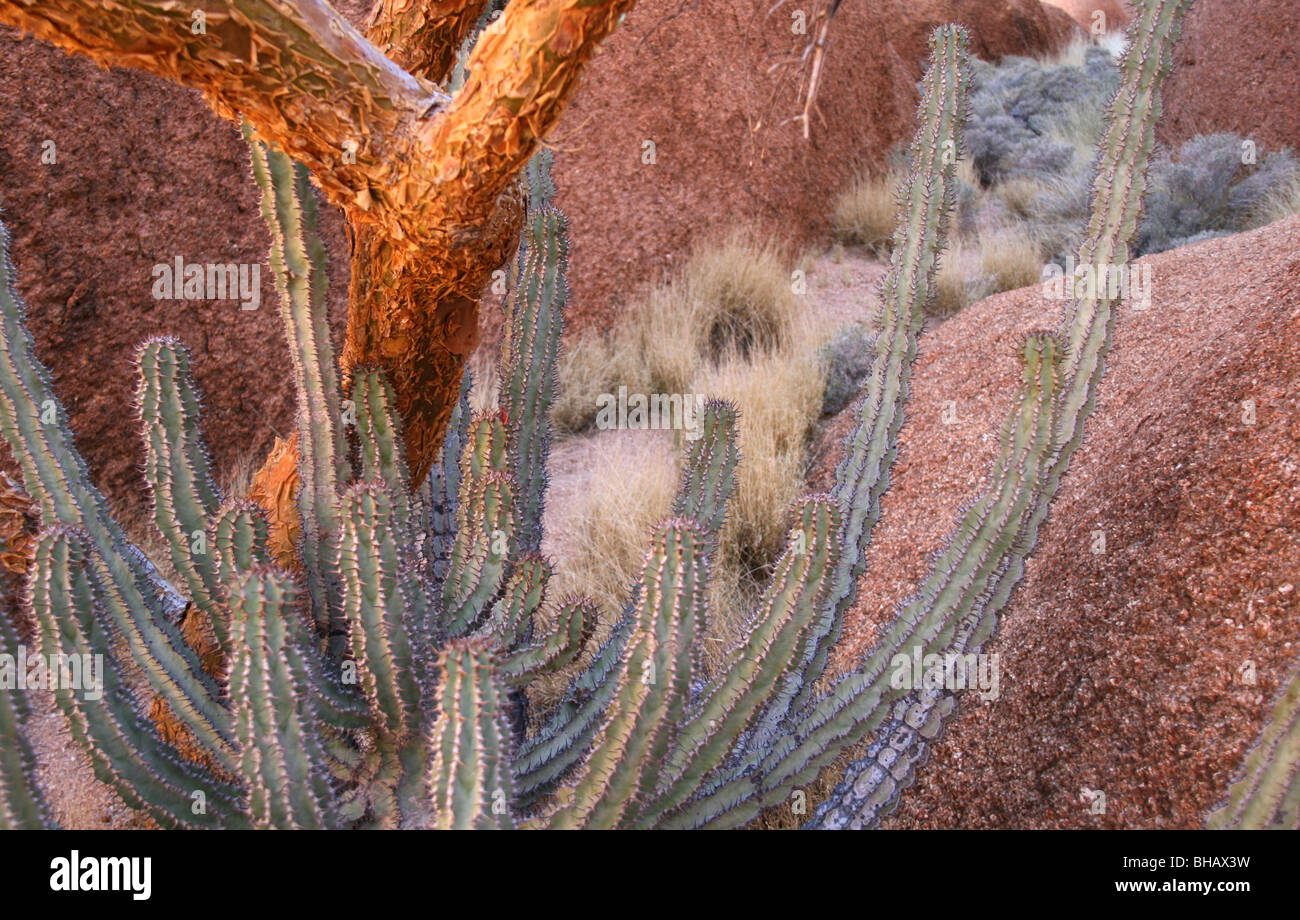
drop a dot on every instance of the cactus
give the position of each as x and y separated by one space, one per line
872 785
375 661
469 771
270 686
22 803
1267 794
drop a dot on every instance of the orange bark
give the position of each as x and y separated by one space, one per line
431 192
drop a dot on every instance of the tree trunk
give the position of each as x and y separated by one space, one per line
428 183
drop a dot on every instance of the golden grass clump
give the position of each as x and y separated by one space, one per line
1019 195
866 212
598 525
951 282
733 297
779 395
1009 259
1280 203
725 327
590 365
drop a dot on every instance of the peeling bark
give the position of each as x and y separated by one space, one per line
432 196
423 35
427 184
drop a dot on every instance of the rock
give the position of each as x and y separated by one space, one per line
695 80
1114 13
146 173
1235 70
1198 502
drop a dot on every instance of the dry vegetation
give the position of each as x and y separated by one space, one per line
864 213
1279 203
729 325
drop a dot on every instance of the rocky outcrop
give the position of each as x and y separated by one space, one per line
1114 13
143 173
697 82
1235 70
1140 664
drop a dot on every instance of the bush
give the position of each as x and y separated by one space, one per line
1208 189
1009 259
958 282
847 359
732 298
1036 119
1281 202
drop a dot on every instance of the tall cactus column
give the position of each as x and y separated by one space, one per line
872 786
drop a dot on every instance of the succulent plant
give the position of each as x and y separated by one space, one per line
372 667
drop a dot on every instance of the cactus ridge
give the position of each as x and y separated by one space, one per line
469 772
270 682
529 382
1080 348
65 594
926 201
179 472
437 499
297 259
22 801
1267 793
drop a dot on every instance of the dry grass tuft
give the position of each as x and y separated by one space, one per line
866 212
779 395
598 526
741 296
725 327
485 386
731 298
1019 195
957 266
1009 259
1280 203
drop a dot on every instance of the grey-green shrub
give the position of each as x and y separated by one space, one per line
848 359
1206 190
1021 106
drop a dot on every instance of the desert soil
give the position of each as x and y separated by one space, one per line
1121 671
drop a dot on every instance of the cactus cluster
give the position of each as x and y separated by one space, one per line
378 675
